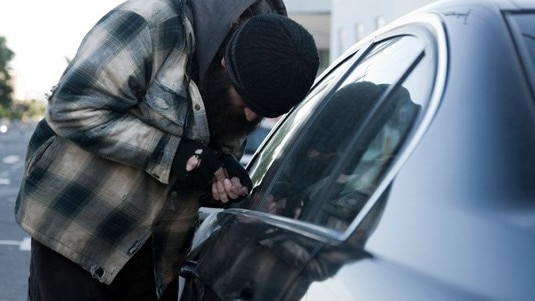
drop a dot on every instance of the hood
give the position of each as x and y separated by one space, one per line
213 20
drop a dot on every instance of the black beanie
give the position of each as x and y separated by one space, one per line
272 62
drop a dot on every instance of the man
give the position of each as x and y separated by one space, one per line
151 113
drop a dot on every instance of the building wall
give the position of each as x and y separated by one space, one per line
338 24
315 16
307 5
352 20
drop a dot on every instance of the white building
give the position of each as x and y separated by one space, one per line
338 24
351 20
315 16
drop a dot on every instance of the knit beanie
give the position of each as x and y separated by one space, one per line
272 62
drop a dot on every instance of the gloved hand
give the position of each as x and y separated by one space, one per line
234 171
194 165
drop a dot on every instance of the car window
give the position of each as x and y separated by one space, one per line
348 137
523 29
275 146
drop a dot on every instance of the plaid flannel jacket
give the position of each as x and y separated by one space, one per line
95 187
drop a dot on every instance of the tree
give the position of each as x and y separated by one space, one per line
6 90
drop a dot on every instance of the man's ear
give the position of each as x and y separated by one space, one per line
223 61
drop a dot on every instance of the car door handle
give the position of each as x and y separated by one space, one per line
189 269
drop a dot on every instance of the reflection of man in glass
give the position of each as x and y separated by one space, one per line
369 147
315 155
317 151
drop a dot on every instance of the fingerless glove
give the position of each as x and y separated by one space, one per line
235 169
200 177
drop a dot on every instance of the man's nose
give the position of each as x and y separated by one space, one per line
249 114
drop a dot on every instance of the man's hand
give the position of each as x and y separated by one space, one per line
226 189
197 166
234 169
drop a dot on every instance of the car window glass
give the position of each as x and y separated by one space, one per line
293 122
345 149
524 33
379 114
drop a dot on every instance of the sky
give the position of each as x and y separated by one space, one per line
43 34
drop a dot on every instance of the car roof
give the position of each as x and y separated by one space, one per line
501 4
521 4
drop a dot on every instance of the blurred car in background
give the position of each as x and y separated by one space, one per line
255 139
406 174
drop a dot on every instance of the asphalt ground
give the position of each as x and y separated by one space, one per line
14 242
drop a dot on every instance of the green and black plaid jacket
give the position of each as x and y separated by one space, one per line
95 186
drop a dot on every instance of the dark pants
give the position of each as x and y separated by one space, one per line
55 278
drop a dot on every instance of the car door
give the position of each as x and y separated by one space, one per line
331 162
315 178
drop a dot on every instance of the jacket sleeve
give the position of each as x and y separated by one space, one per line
104 84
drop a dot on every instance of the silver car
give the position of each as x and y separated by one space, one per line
408 173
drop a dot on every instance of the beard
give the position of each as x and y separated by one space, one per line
226 121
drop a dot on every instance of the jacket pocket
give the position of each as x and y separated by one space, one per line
164 109
39 161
